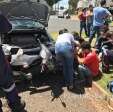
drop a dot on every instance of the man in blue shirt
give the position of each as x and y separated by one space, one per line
99 16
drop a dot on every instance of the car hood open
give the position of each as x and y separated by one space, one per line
26 8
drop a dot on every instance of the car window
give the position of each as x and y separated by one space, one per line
25 23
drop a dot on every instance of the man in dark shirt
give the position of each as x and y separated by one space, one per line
6 76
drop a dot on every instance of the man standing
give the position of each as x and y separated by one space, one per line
99 16
89 19
6 77
82 17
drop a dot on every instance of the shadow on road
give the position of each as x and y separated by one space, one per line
48 82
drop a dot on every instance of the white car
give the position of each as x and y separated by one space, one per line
61 14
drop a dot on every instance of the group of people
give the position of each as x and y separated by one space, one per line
86 20
93 20
71 50
87 59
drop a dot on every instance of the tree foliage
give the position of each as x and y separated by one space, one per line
52 2
73 4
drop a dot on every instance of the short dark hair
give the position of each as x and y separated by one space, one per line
63 31
90 6
102 2
86 45
84 9
74 33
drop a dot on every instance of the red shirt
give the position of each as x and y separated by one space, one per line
82 17
92 62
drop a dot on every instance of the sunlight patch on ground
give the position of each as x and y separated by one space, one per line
104 80
54 35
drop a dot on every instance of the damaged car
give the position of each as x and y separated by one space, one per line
28 46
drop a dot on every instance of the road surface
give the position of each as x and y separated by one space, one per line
55 24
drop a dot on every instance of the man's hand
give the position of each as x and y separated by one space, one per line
80 60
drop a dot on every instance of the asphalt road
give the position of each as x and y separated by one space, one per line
55 24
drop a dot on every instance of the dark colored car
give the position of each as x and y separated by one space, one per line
26 17
29 21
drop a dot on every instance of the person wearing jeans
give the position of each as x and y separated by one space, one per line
82 17
89 62
95 30
89 19
67 58
65 53
85 73
99 16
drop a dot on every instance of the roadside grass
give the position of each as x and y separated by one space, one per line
111 24
105 80
105 77
54 35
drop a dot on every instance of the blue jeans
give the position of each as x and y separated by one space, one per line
67 58
83 26
86 74
95 30
84 71
89 28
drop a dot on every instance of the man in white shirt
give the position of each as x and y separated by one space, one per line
64 49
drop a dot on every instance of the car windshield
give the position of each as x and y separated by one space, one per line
25 24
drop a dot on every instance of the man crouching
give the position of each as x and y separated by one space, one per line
89 63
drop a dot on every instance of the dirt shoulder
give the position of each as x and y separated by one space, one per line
80 100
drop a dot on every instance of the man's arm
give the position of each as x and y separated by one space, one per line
107 14
80 60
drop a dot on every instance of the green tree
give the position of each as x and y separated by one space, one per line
52 2
72 5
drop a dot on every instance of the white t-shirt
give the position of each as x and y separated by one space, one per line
65 38
64 41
